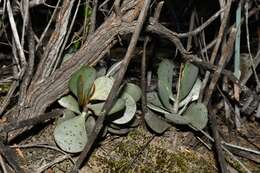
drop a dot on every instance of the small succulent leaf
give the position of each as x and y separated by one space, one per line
165 75
90 124
153 98
71 135
193 95
88 75
157 124
133 90
70 103
163 91
130 109
74 80
197 115
112 71
67 114
103 85
157 109
165 72
176 118
188 78
88 78
97 107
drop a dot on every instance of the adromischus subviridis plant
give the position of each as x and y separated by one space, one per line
73 128
174 107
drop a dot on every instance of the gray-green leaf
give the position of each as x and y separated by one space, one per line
176 118
165 75
133 90
67 114
197 115
155 122
103 86
71 135
90 124
130 109
88 75
70 103
188 78
97 108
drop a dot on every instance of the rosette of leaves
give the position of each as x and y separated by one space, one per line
165 107
85 103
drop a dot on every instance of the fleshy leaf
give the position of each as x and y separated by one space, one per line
90 125
88 75
67 114
155 122
188 78
71 135
165 74
113 70
197 115
176 118
118 106
130 109
157 109
70 103
153 99
103 86
163 91
193 95
133 90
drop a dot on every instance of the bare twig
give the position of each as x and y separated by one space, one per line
249 49
222 62
11 158
48 25
29 122
16 36
55 161
3 164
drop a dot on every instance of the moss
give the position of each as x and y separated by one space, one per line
125 156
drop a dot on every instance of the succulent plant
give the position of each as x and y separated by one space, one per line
162 103
89 94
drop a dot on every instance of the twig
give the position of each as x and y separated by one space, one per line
59 59
219 152
93 16
228 50
218 41
113 92
3 164
50 56
29 122
48 25
11 158
29 71
202 27
249 49
143 78
15 35
46 166
24 8
228 152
